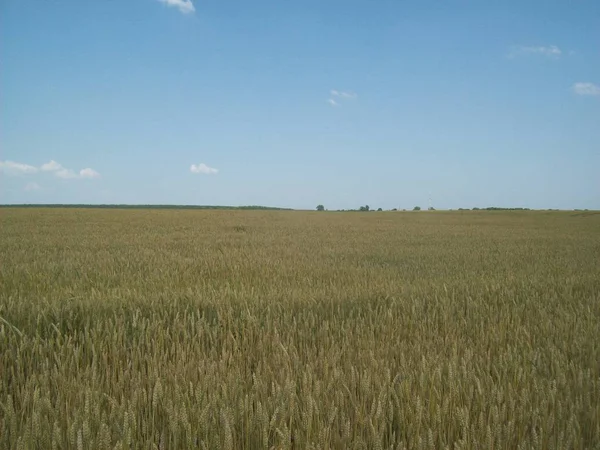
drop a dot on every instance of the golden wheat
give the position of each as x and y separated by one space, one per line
299 330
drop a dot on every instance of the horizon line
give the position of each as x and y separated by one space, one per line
262 207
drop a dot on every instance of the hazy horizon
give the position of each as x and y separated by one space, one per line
277 207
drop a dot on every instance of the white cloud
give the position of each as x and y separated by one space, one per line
58 169
586 89
332 102
342 94
88 173
550 51
203 168
66 174
15 168
51 166
184 6
32 187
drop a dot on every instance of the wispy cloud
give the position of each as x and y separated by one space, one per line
203 168
15 168
339 97
586 89
32 187
184 6
342 94
549 51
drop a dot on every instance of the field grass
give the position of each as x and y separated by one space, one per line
281 329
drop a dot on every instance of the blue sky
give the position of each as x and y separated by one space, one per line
344 103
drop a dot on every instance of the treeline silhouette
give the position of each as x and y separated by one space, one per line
495 208
108 206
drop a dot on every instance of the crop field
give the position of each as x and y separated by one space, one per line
174 329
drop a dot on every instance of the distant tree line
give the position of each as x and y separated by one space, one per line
495 208
367 208
249 207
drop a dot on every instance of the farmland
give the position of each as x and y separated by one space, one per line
286 329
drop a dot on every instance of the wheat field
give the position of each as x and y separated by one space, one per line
168 329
